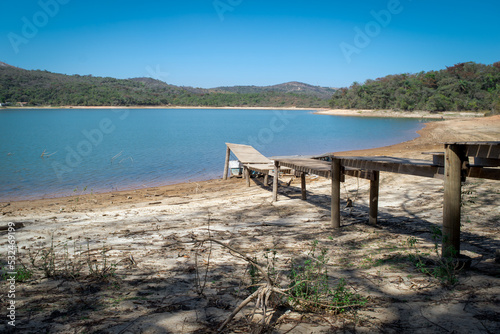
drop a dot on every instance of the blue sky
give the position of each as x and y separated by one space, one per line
207 43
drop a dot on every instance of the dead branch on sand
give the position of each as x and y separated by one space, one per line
264 293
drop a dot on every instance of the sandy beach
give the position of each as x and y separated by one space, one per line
402 114
151 276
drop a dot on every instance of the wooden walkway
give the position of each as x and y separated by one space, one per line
246 154
456 168
251 159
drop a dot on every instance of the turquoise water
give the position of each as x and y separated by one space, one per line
118 149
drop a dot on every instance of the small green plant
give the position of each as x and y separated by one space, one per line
255 276
77 199
58 261
444 268
270 267
309 280
344 298
270 256
72 266
368 262
253 272
22 274
468 195
310 289
81 193
53 261
100 269
44 259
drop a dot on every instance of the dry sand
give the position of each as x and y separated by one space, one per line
148 238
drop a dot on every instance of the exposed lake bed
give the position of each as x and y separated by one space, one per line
147 233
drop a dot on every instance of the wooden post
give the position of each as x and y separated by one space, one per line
303 185
226 165
275 180
247 175
266 179
335 173
374 187
452 199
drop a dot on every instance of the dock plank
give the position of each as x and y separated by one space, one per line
322 168
416 167
480 149
247 154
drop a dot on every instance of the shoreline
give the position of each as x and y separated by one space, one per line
164 107
316 111
430 137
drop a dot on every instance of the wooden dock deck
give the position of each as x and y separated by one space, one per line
454 171
251 159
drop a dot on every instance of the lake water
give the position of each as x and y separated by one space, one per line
53 152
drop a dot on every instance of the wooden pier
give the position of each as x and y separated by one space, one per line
251 160
455 169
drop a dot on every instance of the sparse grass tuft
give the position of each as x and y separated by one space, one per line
310 289
443 268
58 261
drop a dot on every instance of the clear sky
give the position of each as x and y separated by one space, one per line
207 43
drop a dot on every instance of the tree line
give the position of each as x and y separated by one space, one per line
43 88
465 86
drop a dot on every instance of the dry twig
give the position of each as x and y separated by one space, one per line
265 291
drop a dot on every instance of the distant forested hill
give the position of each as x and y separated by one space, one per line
465 86
289 87
43 88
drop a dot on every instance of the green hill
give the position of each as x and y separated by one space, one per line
43 88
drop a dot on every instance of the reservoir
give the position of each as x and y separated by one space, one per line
56 152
